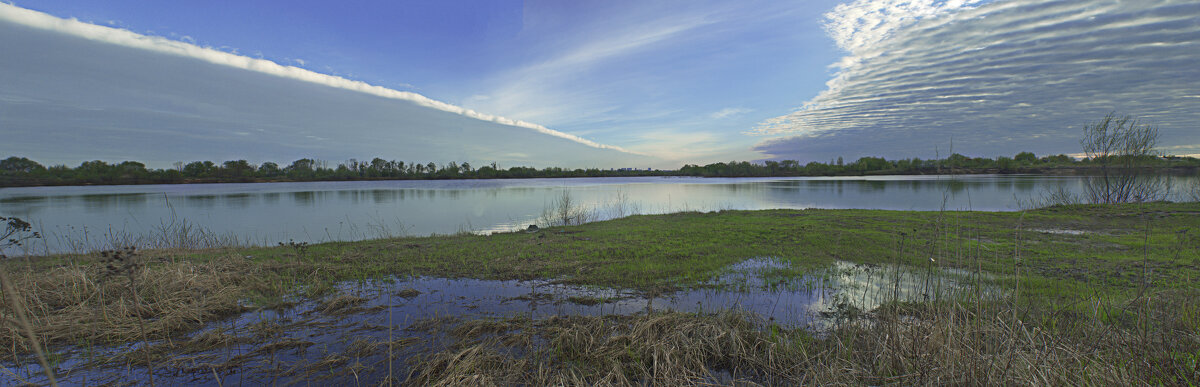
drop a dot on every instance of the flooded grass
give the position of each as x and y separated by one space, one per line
836 296
359 323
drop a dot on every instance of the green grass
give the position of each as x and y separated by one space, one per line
661 252
1124 249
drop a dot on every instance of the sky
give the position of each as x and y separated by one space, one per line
588 83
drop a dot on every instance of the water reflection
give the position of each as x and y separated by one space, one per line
201 201
239 200
275 212
100 202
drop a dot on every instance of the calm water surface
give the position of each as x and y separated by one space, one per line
91 217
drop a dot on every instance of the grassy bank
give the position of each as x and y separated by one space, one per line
1097 287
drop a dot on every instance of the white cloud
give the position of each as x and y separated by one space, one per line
30 18
996 78
858 26
729 112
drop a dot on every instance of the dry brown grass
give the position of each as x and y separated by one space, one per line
923 344
342 304
81 303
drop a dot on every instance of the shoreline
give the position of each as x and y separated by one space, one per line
1180 170
1056 258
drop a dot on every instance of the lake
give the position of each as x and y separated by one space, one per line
84 218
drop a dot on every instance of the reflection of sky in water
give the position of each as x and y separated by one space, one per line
802 302
323 211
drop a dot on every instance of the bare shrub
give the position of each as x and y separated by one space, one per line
1122 148
565 210
621 206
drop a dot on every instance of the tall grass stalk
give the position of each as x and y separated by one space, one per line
19 309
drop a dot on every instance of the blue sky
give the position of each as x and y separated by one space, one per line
650 83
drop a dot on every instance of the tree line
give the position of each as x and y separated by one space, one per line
1024 162
20 171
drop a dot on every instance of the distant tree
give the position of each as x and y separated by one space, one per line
772 166
1005 164
379 167
94 170
957 160
60 171
301 169
1025 158
343 172
866 164
20 165
238 168
1058 159
817 169
487 171
131 170
200 169
268 169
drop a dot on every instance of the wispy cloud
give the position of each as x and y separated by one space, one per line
997 78
30 18
552 88
729 112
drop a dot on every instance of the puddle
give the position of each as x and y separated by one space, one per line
347 340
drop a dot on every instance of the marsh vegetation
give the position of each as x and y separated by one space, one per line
1103 294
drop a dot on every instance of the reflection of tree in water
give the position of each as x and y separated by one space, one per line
956 186
25 200
309 198
200 201
112 200
1023 184
871 186
744 187
239 200
381 196
349 196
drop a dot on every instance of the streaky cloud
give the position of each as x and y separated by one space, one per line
30 18
997 78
